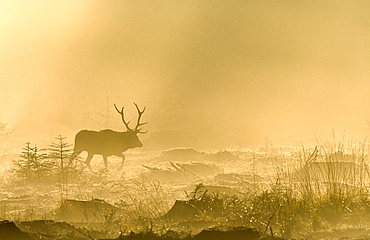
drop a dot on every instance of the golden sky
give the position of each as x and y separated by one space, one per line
233 72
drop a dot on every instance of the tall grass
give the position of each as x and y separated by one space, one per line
313 189
317 188
145 203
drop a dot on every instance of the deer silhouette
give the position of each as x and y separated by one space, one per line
108 142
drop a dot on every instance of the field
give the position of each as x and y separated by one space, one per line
317 192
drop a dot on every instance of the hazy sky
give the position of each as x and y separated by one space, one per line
233 72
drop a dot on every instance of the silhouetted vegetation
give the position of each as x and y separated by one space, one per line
53 165
305 193
33 164
66 167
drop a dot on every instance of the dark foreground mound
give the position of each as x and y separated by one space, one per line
9 231
50 230
219 233
83 211
228 233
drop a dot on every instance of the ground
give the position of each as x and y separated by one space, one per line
187 191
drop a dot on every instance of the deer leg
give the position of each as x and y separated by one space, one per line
88 160
123 160
105 161
75 153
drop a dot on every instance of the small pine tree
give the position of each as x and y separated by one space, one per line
23 165
32 164
61 153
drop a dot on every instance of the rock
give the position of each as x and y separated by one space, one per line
200 169
180 155
221 156
228 233
83 211
48 229
182 211
9 231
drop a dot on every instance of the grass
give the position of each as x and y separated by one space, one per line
312 189
322 187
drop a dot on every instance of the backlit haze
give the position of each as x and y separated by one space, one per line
228 73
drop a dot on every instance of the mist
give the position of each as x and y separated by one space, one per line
232 74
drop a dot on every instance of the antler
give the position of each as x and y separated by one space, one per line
123 118
138 124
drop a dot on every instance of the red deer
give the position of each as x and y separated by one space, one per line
108 142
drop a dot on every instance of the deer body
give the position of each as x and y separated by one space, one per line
108 142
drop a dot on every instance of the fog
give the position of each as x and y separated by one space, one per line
232 73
